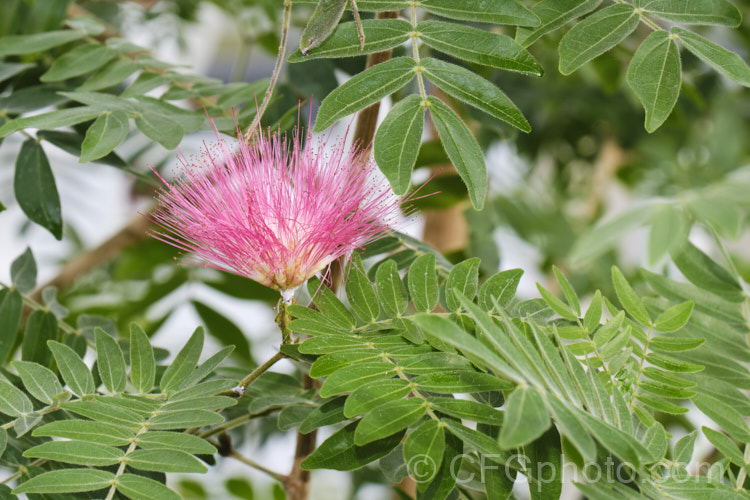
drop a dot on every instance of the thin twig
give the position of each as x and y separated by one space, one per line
237 456
237 422
253 376
276 71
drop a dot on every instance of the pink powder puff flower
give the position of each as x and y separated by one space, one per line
273 210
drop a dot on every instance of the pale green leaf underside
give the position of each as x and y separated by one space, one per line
397 142
655 74
595 35
552 15
720 12
380 34
462 149
505 12
478 46
364 89
722 60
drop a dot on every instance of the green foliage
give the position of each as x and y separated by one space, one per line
121 424
428 365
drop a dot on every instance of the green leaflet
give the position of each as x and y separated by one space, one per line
35 188
51 120
179 441
674 318
391 290
443 484
164 130
87 430
66 481
23 272
669 231
683 449
13 402
450 333
77 452
703 272
380 34
629 299
110 361
720 12
109 75
79 61
142 363
505 12
38 380
106 413
397 142
388 419
10 316
478 441
374 394
499 289
9 70
595 35
466 409
459 381
723 414
423 284
349 378
38 42
725 445
594 313
339 452
360 293
329 413
478 46
163 460
571 427
329 363
364 89
722 60
544 467
655 74
463 278
552 15
423 450
526 417
326 301
431 362
462 149
475 90
104 135
144 488
40 328
556 304
178 372
322 22
74 371
568 292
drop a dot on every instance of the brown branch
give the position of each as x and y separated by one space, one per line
364 133
134 232
298 482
